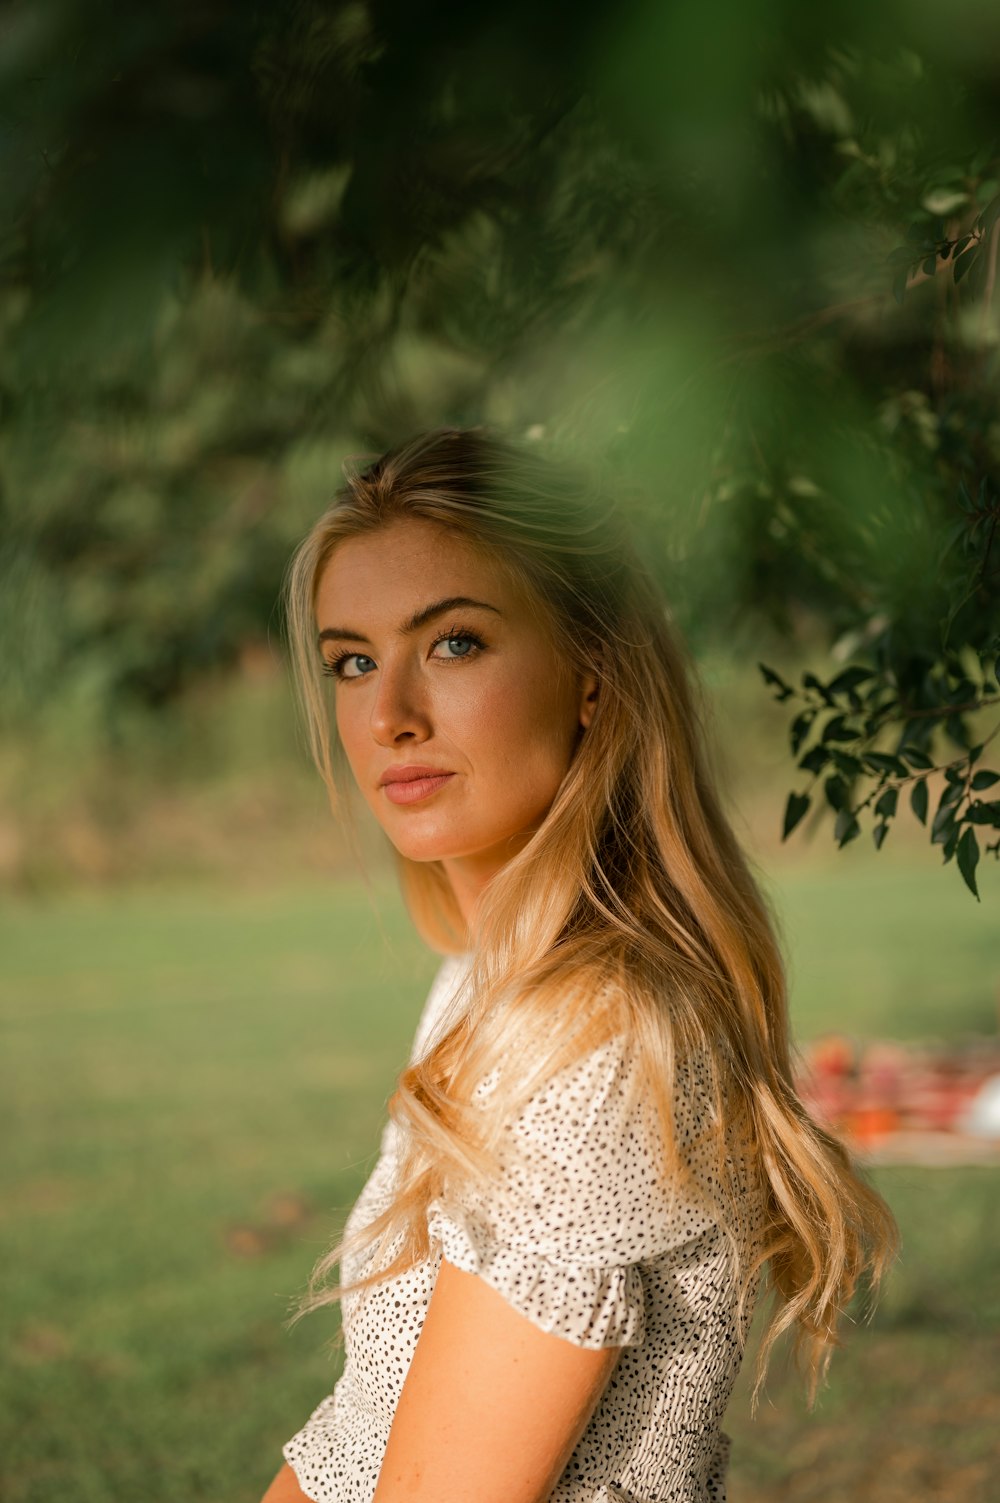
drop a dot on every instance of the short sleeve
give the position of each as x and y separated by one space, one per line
582 1200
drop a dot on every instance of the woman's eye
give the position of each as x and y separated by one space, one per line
360 659
464 644
335 668
472 642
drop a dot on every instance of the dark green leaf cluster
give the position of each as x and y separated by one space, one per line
962 253
847 716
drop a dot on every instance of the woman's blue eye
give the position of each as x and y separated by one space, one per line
335 668
461 638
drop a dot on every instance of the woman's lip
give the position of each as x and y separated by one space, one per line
414 789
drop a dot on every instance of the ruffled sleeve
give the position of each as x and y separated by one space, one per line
581 1202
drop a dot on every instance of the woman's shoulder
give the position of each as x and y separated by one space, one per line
584 1169
616 1097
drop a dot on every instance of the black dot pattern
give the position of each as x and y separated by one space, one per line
582 1236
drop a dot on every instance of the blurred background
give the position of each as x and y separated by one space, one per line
740 260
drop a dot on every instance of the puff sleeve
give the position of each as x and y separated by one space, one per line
582 1201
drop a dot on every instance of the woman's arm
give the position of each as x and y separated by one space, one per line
285 1489
492 1407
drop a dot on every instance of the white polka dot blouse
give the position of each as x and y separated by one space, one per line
582 1236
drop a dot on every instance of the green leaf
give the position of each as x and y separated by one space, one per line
795 810
945 200
882 762
967 852
984 779
964 262
879 833
810 681
837 729
984 814
846 828
776 681
918 800
886 805
851 767
815 759
850 678
953 794
800 730
990 214
836 792
943 823
916 757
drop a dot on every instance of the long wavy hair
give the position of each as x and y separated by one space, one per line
631 908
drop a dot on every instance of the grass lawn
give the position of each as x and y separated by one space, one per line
193 1082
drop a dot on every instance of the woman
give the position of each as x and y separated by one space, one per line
596 1151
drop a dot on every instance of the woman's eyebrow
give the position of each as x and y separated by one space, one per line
418 619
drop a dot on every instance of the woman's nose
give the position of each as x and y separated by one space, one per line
399 707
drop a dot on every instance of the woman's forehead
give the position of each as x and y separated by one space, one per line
411 558
408 547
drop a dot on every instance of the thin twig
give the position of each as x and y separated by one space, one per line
991 278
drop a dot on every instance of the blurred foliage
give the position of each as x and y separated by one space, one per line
741 258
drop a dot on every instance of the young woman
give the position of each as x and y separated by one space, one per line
595 1154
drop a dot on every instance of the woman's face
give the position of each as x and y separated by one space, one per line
477 691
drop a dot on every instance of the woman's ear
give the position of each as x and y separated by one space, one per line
588 696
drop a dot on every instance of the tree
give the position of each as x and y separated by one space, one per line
245 243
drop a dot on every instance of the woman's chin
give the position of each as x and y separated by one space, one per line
440 845
415 847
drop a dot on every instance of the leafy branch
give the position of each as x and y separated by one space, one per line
926 255
843 755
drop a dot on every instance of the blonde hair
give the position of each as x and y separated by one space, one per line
631 909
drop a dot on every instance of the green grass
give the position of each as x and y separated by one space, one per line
911 1410
194 1080
884 946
